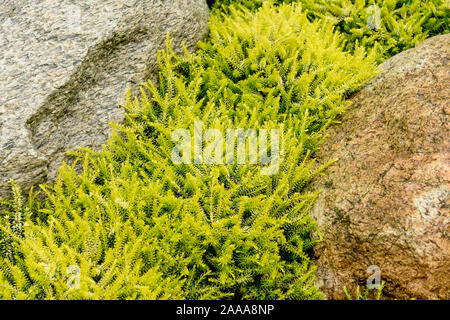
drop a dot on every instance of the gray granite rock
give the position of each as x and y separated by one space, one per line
65 67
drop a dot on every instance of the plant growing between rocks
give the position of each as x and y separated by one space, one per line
139 226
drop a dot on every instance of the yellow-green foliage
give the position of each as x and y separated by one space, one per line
140 227
389 26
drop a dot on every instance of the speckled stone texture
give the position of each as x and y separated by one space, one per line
65 68
386 201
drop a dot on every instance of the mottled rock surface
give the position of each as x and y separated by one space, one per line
386 201
65 67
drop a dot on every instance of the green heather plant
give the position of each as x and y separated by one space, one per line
134 225
388 26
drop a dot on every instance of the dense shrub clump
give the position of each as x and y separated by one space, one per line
134 225
388 26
